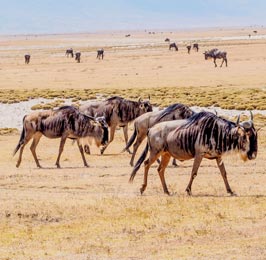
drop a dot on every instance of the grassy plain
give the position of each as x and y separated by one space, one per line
94 213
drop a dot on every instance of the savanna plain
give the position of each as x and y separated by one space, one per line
95 213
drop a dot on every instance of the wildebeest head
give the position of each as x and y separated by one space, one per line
248 137
102 121
145 106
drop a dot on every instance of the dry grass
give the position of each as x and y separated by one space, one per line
94 213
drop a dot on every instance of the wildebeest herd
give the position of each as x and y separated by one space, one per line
176 131
210 54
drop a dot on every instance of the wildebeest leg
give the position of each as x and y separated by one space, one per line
174 163
161 169
87 149
214 60
82 153
147 164
61 148
222 63
112 133
224 175
125 131
33 146
196 164
135 148
225 62
25 141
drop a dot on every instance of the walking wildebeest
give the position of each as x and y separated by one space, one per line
77 57
65 122
216 54
100 53
195 46
69 52
27 58
148 120
173 45
188 49
118 112
204 135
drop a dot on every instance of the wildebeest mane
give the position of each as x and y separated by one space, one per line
177 106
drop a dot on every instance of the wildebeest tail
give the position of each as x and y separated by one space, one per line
139 162
131 140
21 140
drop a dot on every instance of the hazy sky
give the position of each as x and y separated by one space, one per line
59 16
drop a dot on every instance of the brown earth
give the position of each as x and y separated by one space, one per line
94 213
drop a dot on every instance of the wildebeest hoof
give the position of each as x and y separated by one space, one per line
188 192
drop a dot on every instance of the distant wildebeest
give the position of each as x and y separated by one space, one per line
167 40
173 45
69 52
216 54
195 47
118 112
188 49
100 54
27 58
204 135
77 57
127 35
65 122
148 120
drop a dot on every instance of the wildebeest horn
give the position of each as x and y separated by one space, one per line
237 121
149 97
251 116
140 99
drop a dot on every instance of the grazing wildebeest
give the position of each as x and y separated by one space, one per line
100 54
204 135
195 47
27 58
77 57
69 52
65 122
188 49
173 45
148 120
118 112
216 54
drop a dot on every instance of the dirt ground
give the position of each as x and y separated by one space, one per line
94 213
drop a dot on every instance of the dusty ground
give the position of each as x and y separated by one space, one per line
94 213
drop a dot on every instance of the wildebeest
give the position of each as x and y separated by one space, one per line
167 40
69 52
77 57
100 54
173 45
204 135
148 120
118 112
188 49
195 46
65 122
27 58
216 54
